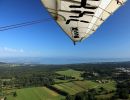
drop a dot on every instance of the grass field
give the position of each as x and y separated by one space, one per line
39 93
78 86
73 87
103 97
43 93
71 72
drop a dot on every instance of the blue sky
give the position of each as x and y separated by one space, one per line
111 40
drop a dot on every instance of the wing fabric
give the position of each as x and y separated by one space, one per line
81 18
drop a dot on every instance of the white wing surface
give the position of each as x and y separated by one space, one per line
81 18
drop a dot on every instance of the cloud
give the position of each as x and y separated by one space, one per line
12 52
6 51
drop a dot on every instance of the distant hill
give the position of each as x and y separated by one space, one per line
3 63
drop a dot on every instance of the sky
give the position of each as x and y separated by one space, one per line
111 40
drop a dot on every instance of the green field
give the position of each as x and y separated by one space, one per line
43 93
79 86
72 73
103 97
39 93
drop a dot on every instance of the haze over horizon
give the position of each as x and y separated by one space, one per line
41 60
47 40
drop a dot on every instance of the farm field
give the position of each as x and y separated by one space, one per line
40 82
103 97
79 86
72 73
39 93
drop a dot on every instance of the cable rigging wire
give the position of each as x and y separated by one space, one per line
4 28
